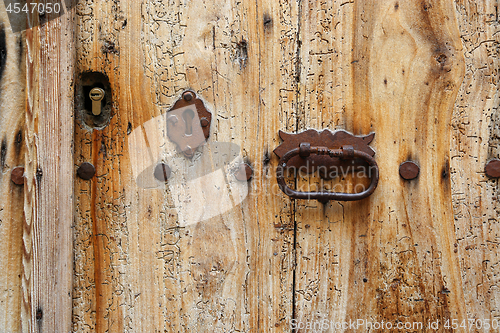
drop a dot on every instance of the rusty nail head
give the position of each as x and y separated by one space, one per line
17 176
492 169
188 152
86 171
188 96
39 314
409 170
173 119
204 122
162 172
244 173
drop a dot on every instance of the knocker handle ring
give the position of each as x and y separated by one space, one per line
346 152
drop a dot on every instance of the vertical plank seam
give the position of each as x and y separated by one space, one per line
258 123
294 202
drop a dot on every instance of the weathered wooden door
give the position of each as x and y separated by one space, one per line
107 253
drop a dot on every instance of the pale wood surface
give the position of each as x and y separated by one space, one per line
395 68
49 173
136 268
475 140
36 219
12 154
422 75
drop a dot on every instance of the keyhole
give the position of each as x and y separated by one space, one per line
188 116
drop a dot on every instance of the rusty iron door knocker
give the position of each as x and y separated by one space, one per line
313 150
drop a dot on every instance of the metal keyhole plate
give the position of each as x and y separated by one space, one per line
188 123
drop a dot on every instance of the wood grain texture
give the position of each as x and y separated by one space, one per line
422 75
475 140
395 68
137 268
12 154
48 191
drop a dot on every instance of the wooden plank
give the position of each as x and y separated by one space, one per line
137 267
12 155
258 114
475 140
48 195
323 233
395 68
